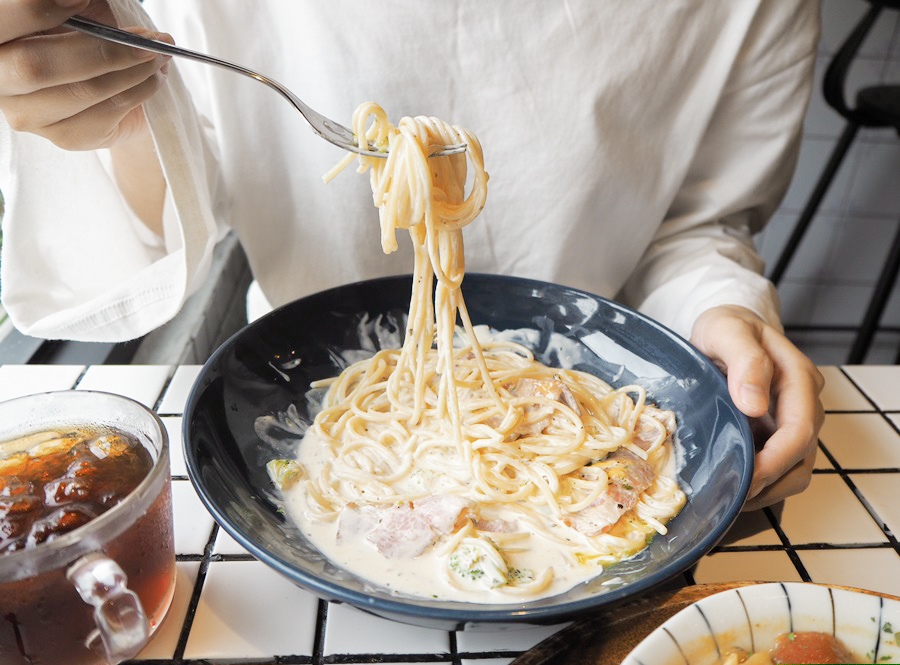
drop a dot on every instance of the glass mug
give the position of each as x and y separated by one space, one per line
96 593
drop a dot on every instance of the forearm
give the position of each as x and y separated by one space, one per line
140 178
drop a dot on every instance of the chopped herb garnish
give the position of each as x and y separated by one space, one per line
520 575
471 561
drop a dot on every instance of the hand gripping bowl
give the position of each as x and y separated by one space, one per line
266 368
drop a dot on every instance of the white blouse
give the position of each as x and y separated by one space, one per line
633 148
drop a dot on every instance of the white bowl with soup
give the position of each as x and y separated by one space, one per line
752 618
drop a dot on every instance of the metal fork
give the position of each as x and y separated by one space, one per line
326 128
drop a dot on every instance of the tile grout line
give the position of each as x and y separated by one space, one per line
843 370
857 471
892 542
318 651
844 475
191 611
860 496
345 659
188 619
788 546
80 377
882 524
453 645
164 389
806 547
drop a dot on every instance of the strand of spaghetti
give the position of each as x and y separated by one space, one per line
479 355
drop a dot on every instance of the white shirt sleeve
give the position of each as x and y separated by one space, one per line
703 256
75 264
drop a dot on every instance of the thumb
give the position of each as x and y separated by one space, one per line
732 338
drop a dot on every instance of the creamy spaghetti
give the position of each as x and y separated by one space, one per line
463 460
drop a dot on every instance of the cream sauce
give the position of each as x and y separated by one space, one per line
426 575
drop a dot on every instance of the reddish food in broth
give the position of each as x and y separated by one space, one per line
810 647
798 648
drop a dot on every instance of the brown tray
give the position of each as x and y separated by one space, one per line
606 638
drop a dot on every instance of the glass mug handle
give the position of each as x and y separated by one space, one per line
121 623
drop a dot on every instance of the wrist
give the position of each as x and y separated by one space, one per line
139 176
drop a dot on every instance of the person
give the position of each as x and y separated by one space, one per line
633 150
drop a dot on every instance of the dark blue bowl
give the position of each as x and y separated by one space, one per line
267 367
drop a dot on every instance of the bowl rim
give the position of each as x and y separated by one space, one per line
458 611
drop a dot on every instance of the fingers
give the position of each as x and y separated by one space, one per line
105 123
121 90
27 17
733 341
766 374
75 89
793 482
784 464
45 61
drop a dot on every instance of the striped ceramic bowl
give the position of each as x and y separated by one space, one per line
750 618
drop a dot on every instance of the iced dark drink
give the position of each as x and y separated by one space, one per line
87 564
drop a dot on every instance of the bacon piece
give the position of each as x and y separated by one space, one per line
495 525
404 530
356 521
549 389
402 533
445 513
629 476
647 431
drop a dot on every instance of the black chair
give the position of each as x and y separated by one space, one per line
876 106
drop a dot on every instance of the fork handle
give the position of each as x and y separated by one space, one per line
109 33
320 124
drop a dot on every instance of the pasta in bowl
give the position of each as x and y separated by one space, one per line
268 369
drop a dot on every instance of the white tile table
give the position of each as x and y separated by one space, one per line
230 608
